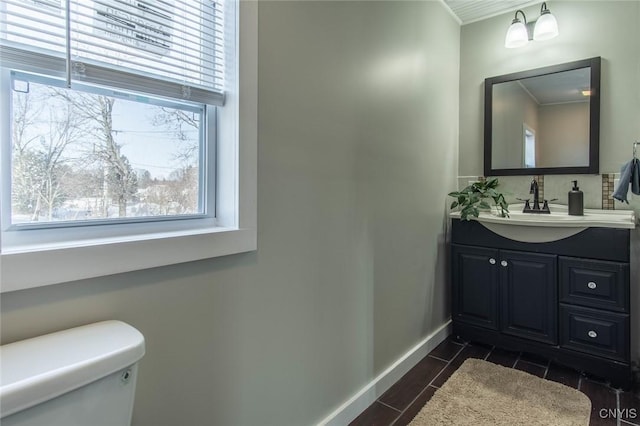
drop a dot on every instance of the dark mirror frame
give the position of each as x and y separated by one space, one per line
594 120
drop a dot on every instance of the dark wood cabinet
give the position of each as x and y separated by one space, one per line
566 300
475 298
529 295
514 292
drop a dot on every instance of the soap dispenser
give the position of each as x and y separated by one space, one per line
576 200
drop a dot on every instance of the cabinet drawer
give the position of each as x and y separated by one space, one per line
595 332
594 283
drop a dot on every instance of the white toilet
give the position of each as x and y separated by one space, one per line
84 376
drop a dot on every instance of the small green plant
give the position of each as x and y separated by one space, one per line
474 197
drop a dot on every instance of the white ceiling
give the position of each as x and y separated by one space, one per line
476 10
560 87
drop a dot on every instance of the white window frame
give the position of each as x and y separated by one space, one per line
60 231
234 229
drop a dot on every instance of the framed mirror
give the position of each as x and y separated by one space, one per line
543 121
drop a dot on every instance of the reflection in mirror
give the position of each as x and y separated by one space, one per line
530 149
543 120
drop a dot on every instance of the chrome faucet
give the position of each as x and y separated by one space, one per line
536 200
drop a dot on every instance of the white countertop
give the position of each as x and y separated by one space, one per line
559 218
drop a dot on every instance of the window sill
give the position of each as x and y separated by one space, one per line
36 266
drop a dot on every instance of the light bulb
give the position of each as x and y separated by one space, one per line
516 35
546 26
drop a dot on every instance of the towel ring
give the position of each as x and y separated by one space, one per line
635 153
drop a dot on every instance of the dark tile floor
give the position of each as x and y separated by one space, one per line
407 396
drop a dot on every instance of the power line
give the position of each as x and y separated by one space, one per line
152 131
154 166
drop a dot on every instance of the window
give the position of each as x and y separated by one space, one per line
529 146
85 155
120 133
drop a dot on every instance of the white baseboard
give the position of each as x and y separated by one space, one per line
352 408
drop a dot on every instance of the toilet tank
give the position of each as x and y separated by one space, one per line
83 376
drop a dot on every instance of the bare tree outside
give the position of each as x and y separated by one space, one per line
183 124
119 179
40 165
79 155
25 114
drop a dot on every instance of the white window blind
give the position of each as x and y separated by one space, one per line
171 48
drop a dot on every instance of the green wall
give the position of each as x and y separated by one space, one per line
357 148
587 28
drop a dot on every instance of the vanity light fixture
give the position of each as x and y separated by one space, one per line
517 34
544 28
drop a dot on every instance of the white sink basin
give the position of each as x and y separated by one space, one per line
560 218
538 227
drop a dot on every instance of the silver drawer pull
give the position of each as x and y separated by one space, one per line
592 334
591 285
492 261
504 263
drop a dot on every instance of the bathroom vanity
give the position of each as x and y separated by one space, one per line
556 286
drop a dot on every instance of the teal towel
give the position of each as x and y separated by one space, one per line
635 177
629 175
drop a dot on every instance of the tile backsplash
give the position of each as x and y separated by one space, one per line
597 189
608 203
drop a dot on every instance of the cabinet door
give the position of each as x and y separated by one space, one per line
529 295
475 286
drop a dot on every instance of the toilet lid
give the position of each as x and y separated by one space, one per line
35 370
